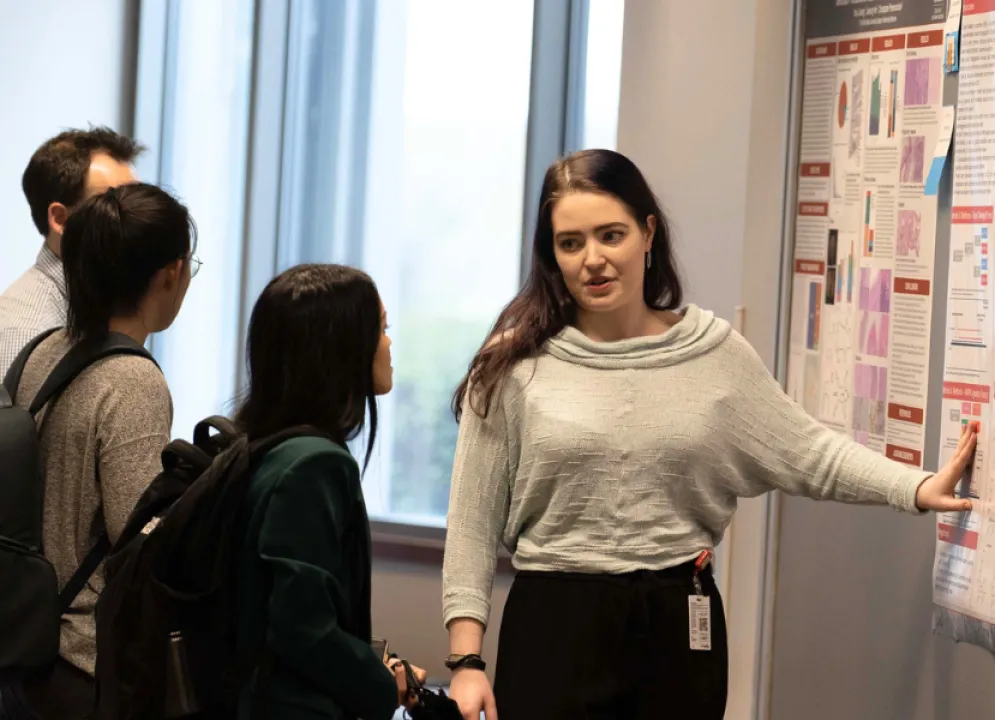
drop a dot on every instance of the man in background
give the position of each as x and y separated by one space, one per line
62 173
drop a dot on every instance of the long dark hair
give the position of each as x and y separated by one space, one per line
113 246
544 306
312 337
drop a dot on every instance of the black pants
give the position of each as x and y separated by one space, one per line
609 647
63 692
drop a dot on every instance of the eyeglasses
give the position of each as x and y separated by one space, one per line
195 264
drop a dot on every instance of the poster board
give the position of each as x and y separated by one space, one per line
878 335
859 354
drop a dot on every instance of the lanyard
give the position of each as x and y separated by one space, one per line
703 561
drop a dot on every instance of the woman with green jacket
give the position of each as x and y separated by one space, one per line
318 356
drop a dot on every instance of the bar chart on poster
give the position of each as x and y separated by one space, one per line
863 356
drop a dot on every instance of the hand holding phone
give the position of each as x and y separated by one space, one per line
381 648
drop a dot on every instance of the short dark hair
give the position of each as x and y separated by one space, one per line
544 306
312 337
112 247
57 170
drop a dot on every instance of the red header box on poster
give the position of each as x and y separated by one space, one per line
815 170
888 42
813 209
822 50
855 47
933 38
903 455
957 536
976 7
966 391
810 267
911 286
966 215
905 413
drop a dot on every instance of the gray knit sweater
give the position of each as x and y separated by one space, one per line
609 457
115 417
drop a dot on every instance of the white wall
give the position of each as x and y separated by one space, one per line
62 64
704 108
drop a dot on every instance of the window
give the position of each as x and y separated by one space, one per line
399 136
409 165
201 156
603 73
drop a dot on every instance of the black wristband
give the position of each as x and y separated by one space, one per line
470 662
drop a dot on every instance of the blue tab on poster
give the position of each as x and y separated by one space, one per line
932 186
951 52
951 37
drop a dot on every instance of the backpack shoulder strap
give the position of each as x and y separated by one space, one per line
78 359
13 377
84 572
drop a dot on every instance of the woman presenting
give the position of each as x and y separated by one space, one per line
606 434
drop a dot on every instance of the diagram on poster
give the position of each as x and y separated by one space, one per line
837 367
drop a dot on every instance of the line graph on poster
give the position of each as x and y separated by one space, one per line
967 336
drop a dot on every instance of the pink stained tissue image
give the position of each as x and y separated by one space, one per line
908 233
921 87
913 159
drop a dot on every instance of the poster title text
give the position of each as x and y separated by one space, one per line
869 13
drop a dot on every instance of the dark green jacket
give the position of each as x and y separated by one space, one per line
303 580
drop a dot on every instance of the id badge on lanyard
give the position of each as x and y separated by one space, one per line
700 608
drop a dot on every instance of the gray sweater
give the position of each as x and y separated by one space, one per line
116 417
609 457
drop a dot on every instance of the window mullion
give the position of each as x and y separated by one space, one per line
263 187
576 76
550 126
154 81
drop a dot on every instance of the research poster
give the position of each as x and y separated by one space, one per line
861 314
964 571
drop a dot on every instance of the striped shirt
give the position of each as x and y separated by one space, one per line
34 303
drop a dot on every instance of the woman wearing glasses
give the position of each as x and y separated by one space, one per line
128 259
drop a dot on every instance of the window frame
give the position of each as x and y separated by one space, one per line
555 127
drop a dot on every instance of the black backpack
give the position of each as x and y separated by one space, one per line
166 617
31 603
